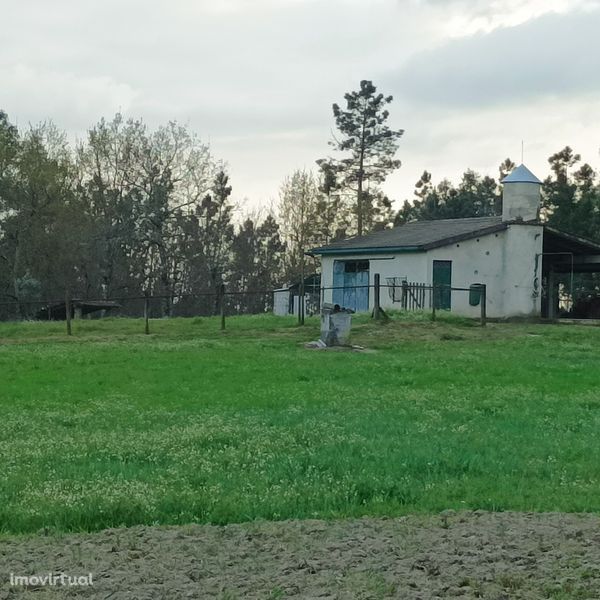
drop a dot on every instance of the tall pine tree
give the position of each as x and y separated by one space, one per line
370 146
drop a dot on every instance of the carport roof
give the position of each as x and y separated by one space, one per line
559 241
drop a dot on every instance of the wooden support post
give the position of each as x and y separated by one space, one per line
483 302
68 311
222 305
433 302
146 312
301 301
552 304
404 295
377 297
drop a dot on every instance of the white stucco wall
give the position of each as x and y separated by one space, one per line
281 302
504 261
521 201
523 270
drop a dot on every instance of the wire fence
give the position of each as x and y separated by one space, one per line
301 301
202 304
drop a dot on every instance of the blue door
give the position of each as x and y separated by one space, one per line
351 283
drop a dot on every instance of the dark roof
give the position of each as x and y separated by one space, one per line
58 311
416 237
556 241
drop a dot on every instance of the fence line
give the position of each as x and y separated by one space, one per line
223 302
211 294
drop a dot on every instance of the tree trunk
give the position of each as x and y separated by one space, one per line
16 269
359 208
361 176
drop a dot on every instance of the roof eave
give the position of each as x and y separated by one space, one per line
368 250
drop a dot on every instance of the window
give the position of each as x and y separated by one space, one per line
353 266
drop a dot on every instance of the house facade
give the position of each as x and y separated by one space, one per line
514 255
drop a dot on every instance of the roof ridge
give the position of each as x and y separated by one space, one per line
451 219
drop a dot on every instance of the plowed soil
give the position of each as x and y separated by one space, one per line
453 555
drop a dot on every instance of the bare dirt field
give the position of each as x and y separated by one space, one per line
453 555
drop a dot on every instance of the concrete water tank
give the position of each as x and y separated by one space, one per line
336 323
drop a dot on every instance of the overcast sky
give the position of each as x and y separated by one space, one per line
256 78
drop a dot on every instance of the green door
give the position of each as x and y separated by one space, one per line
442 281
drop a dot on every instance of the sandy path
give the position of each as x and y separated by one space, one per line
464 555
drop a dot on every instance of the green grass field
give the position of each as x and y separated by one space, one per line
189 424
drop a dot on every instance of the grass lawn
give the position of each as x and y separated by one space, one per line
111 427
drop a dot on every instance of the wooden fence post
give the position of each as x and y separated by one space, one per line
377 297
222 305
147 312
433 302
301 301
483 301
68 311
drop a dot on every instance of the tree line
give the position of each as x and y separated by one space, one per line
127 212
130 211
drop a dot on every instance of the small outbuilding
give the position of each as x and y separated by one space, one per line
286 300
515 255
79 309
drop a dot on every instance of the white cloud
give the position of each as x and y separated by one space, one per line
470 17
509 13
448 143
67 98
550 56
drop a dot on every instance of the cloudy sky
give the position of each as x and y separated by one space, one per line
256 78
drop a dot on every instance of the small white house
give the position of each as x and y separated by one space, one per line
514 255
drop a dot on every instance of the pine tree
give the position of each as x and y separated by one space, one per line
369 143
